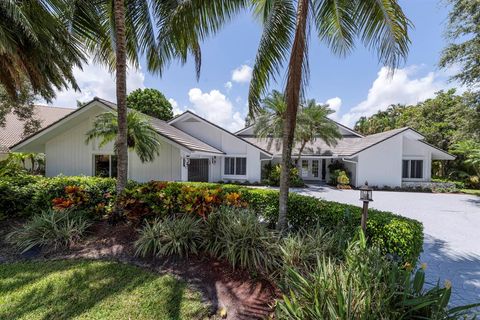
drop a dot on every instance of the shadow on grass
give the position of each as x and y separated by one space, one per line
66 289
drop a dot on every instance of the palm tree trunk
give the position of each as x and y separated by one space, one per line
121 86
292 97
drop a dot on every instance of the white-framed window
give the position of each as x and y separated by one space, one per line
105 165
235 166
412 169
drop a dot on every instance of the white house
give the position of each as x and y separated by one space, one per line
194 149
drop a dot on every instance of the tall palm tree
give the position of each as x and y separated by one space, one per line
313 124
380 25
269 119
141 136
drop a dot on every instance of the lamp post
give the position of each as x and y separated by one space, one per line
366 197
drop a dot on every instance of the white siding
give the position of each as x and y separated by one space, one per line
68 154
381 164
231 145
416 150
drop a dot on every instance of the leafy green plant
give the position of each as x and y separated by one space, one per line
236 235
364 286
342 178
170 236
51 229
272 174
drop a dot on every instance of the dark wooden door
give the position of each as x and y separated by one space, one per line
198 170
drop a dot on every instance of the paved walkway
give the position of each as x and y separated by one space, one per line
452 232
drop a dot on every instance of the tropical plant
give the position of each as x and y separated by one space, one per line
151 102
313 124
236 235
380 25
170 236
141 135
51 229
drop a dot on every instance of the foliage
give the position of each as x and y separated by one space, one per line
312 122
50 229
66 289
272 173
364 286
464 34
26 194
342 178
236 235
446 120
150 102
141 136
170 236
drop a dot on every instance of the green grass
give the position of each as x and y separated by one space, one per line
93 290
474 192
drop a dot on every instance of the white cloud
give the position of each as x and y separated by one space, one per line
228 85
175 108
242 74
215 107
406 86
334 104
96 81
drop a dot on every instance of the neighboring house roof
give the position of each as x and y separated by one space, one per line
346 147
12 133
162 127
178 117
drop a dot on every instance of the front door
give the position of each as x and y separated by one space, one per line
198 170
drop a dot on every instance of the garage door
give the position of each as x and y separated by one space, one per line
198 170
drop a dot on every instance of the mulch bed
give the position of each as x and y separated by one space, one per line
222 287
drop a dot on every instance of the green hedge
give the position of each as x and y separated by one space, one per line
395 234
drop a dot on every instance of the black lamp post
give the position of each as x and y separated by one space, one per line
366 197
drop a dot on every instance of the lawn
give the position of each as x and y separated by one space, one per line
474 192
93 290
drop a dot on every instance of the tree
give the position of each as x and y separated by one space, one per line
463 26
151 102
36 48
312 122
381 25
141 136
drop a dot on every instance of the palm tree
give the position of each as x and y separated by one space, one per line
141 136
269 119
380 25
36 49
313 124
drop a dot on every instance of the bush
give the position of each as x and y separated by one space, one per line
364 286
272 176
51 229
171 236
236 235
25 195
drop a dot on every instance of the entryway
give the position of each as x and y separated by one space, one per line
313 169
198 170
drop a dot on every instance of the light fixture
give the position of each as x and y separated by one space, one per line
366 197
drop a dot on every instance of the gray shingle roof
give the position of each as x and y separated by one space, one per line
346 147
13 130
173 134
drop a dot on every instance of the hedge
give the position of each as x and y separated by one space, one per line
395 234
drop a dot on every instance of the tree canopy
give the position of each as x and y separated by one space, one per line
151 102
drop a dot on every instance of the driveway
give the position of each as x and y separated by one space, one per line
451 224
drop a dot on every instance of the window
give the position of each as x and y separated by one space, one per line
235 166
105 165
412 169
315 168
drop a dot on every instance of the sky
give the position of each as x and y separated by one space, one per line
354 86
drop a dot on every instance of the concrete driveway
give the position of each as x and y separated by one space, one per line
452 232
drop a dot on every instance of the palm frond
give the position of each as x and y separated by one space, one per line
274 47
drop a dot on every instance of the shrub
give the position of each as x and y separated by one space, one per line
171 236
272 176
236 235
364 286
51 229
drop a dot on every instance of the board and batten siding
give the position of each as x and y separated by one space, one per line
228 143
68 154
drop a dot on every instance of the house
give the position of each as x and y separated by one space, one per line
194 149
12 132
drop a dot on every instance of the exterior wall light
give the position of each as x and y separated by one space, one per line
366 197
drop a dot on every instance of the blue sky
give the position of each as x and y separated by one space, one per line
353 86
